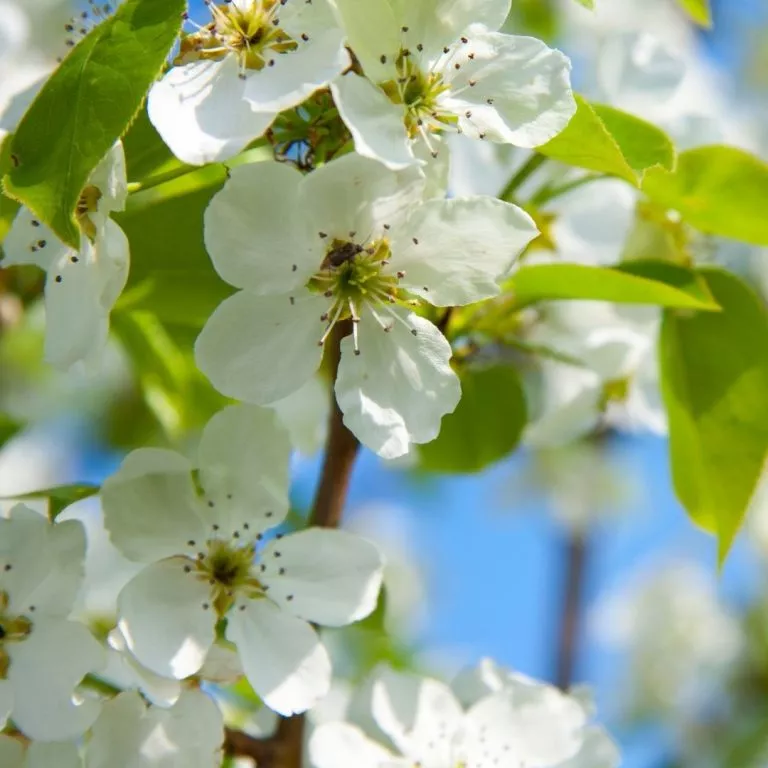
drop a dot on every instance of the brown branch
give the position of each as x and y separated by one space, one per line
285 748
575 557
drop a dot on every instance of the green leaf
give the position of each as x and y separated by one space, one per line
719 190
635 282
485 426
587 4
60 497
8 428
85 106
178 396
698 10
642 144
714 377
171 272
610 141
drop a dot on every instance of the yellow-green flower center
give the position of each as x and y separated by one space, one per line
254 35
228 570
418 92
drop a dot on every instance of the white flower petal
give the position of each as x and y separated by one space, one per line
327 577
376 124
571 405
6 702
357 194
455 251
64 557
54 755
373 32
527 83
29 241
243 459
420 716
341 745
45 668
261 348
23 539
597 751
80 291
246 235
305 415
396 391
151 509
200 112
282 656
109 176
125 671
535 725
436 23
295 76
11 752
638 71
188 735
163 618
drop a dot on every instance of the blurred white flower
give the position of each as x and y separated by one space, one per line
43 656
15 753
679 637
131 735
425 723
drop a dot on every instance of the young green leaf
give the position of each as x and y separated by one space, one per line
698 10
587 4
85 106
610 141
171 272
714 378
485 426
636 282
60 497
719 190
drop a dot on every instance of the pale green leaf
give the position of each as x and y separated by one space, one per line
610 141
637 282
60 496
719 190
714 376
698 10
85 106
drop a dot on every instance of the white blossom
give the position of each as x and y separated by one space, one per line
611 381
43 656
16 754
129 734
200 526
363 246
235 74
473 684
441 66
535 727
680 638
81 285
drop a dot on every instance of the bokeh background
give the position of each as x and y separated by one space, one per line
481 564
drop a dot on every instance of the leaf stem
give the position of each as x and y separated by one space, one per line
529 167
161 178
549 192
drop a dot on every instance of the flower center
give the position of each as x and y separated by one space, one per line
12 629
227 568
88 203
418 92
253 35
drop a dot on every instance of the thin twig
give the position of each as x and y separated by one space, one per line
575 556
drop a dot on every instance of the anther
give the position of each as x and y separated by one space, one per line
58 278
415 240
